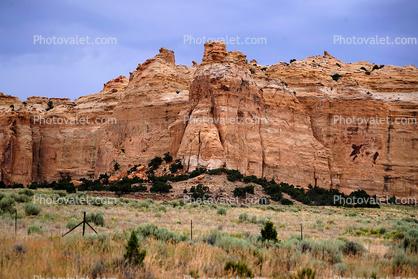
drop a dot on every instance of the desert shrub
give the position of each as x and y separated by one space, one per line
98 268
410 242
160 187
27 192
155 163
382 230
410 220
305 273
7 215
18 215
158 215
243 217
401 260
96 218
242 191
22 198
31 209
326 251
292 60
116 166
269 232
175 203
152 230
199 192
134 254
352 248
71 224
221 211
336 77
253 219
167 157
197 172
6 204
340 268
239 268
234 175
34 230
174 168
286 201
261 221
162 208
226 241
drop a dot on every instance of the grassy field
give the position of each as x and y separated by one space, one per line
336 241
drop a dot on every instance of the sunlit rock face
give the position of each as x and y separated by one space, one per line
312 121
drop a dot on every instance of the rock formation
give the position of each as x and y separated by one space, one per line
286 121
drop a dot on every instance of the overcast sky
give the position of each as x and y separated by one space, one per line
293 29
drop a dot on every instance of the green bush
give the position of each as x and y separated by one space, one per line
116 166
336 77
401 259
133 252
410 242
96 218
221 211
152 230
155 163
162 208
31 209
34 230
243 217
71 224
6 204
269 232
174 168
27 192
239 268
23 198
242 191
200 192
167 157
352 248
286 201
197 172
160 187
261 221
326 251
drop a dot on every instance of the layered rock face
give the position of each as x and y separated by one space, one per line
293 123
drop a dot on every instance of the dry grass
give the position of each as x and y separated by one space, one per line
50 255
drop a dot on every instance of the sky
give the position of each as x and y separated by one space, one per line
290 30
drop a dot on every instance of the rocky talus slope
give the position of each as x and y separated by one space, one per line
293 123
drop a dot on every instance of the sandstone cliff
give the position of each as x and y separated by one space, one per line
287 114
